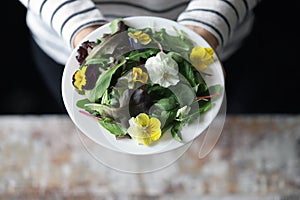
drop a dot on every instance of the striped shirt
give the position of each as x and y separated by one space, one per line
53 23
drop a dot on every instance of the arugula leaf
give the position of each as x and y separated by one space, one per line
187 70
113 127
158 92
185 95
175 131
176 56
167 103
137 55
182 35
114 25
168 118
81 103
215 89
103 110
102 83
100 61
177 43
202 86
105 98
205 107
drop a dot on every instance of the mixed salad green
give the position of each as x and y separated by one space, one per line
140 83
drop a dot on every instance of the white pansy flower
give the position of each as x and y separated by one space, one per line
162 69
183 111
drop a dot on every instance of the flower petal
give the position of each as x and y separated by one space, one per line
209 50
142 120
139 75
144 140
154 129
161 68
138 134
201 57
144 39
154 68
167 80
143 129
79 78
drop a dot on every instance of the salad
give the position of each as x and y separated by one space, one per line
141 83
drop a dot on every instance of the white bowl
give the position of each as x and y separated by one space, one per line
91 128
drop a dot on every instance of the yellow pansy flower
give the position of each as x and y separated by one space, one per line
79 78
135 35
144 129
201 57
143 38
139 76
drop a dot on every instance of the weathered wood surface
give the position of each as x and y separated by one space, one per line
256 157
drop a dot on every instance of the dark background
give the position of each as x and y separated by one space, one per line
262 77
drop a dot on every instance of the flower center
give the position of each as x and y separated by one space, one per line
166 76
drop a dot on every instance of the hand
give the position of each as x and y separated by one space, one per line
83 33
210 38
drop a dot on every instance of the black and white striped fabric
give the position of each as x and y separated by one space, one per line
53 23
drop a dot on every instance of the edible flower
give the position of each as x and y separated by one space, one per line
143 38
144 129
162 69
139 75
79 78
184 111
128 80
201 57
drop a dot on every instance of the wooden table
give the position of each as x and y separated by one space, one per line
256 157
